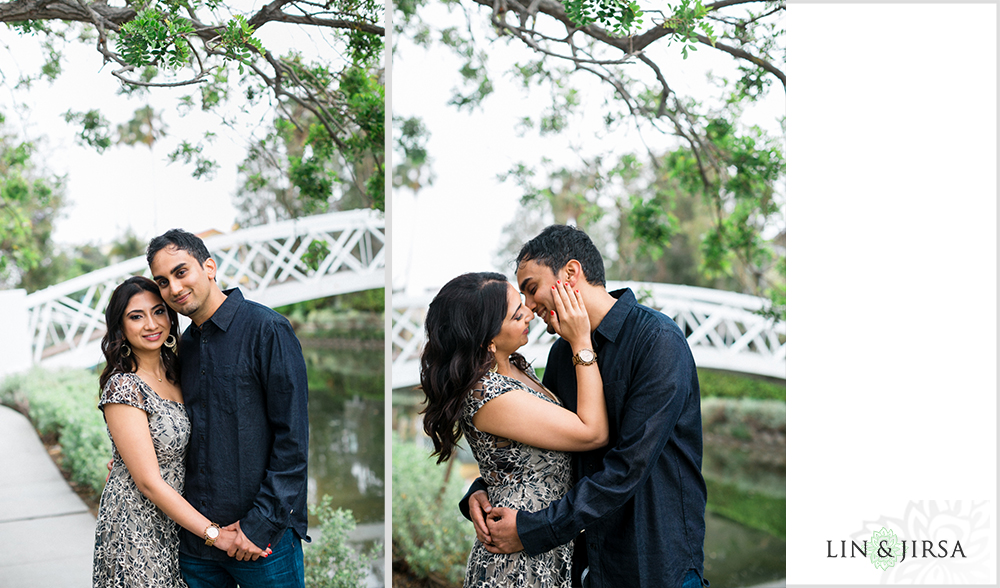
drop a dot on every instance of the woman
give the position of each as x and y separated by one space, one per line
478 385
136 539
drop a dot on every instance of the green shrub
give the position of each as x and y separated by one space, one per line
729 385
12 392
427 527
64 403
330 561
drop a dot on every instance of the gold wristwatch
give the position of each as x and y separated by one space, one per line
585 357
211 534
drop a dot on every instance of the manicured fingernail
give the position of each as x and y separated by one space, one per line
553 312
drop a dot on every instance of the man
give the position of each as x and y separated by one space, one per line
641 498
244 384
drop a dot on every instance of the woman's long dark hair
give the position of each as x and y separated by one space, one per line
461 323
114 338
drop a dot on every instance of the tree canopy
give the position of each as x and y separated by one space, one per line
333 99
30 201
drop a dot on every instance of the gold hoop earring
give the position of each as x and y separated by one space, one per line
171 343
126 350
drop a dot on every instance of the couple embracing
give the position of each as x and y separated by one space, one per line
592 476
210 433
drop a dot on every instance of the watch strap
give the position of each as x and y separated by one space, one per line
209 540
578 360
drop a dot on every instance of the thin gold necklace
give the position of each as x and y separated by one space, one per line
160 380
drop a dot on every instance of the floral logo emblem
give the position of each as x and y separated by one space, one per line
886 549
952 520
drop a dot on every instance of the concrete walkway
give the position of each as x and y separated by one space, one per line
46 531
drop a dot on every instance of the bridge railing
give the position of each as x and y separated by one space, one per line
724 329
66 321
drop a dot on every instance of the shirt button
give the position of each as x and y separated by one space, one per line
201 470
203 372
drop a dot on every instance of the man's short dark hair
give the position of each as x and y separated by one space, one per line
555 246
182 240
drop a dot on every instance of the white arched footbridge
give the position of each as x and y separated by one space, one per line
724 329
66 321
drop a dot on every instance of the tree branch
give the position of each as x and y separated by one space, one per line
21 10
725 3
636 44
273 13
744 55
364 27
195 80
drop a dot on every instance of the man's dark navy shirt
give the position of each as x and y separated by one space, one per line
244 384
641 498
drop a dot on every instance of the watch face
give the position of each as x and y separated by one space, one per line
587 355
212 532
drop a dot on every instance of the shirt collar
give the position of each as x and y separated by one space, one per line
224 314
611 324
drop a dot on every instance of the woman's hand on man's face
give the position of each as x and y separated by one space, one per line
570 319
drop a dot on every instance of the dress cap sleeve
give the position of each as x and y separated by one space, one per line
124 389
489 387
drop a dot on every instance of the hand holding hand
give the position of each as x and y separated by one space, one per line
502 524
570 319
242 548
479 508
227 537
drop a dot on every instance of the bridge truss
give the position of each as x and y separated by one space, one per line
725 330
66 321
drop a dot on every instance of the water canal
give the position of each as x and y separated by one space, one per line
347 434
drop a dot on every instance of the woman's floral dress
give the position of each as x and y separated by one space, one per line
136 544
521 477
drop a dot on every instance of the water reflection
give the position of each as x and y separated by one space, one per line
347 428
736 555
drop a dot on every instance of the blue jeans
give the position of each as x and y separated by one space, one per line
691 580
282 569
